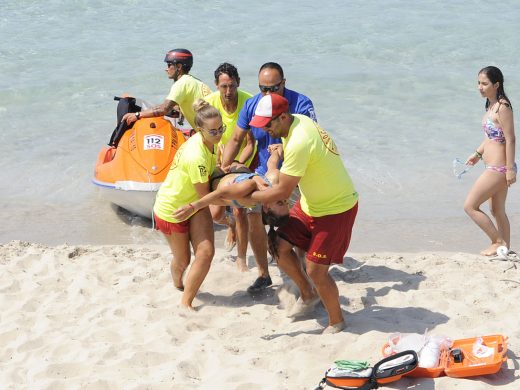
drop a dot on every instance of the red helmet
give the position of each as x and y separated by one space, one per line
180 56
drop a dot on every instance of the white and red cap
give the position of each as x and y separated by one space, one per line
269 107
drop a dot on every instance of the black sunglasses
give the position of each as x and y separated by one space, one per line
272 88
170 64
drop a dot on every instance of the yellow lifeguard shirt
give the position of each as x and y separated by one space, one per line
325 185
230 120
185 91
193 163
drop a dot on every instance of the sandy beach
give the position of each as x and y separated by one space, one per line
86 298
106 317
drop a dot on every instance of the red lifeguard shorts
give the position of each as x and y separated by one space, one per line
325 239
169 227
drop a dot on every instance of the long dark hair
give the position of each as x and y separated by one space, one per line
271 219
495 76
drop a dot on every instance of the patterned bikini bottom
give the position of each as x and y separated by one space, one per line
500 168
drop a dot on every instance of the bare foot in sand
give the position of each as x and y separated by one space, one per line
302 308
177 274
336 328
231 240
242 264
186 307
492 249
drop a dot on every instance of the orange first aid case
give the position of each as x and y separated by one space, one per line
470 365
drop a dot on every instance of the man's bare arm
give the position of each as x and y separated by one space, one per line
159 110
280 191
233 146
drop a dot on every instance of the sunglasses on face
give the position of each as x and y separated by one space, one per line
170 64
272 88
215 132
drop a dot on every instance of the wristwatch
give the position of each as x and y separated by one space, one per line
137 115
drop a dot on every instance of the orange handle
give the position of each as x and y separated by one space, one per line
502 348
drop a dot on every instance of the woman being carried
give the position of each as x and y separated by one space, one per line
234 189
498 152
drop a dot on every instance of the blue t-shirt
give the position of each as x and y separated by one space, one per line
298 104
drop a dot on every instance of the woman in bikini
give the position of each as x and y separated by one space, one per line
498 152
234 189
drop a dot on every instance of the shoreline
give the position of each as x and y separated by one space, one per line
95 316
369 235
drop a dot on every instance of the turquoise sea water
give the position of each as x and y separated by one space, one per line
394 83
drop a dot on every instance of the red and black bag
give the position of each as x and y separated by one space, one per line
388 370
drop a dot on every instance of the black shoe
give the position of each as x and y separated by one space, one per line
260 284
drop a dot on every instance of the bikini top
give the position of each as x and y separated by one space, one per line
493 133
242 177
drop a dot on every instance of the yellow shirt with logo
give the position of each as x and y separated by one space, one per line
185 91
193 163
230 120
325 185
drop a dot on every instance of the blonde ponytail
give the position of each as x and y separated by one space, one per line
203 112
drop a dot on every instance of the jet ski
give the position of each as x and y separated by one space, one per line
130 170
